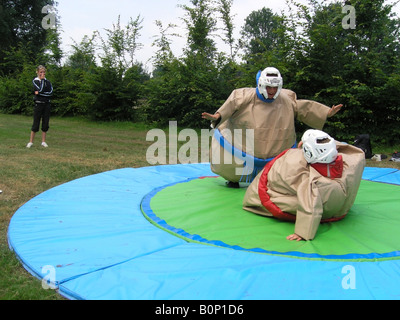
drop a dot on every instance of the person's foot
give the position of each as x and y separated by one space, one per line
44 144
234 185
30 144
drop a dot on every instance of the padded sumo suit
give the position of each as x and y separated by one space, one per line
273 125
289 188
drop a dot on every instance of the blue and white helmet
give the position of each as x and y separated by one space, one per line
318 147
269 77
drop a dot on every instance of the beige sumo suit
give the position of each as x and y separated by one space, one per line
290 188
272 129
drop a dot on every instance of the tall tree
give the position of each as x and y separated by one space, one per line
201 24
83 56
75 95
357 66
21 30
164 53
121 45
191 84
118 83
224 8
261 31
265 42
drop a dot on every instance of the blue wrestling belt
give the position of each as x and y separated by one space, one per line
249 172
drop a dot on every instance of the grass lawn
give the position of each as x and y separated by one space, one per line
77 148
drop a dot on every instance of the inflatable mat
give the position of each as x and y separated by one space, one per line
175 232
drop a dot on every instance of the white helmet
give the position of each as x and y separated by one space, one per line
269 77
318 147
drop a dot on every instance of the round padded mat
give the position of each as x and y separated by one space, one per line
92 233
205 210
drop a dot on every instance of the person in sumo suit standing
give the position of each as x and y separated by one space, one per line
268 113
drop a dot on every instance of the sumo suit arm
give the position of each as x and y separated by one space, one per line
314 114
234 102
309 211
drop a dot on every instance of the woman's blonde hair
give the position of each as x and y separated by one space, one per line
40 68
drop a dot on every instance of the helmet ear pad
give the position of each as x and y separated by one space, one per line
258 76
308 152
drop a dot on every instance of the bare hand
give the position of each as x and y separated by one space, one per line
334 110
300 145
36 92
211 117
294 236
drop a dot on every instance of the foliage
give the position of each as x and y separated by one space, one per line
224 9
21 31
200 23
118 84
16 92
163 55
120 47
184 88
116 95
319 58
73 93
185 95
261 32
356 67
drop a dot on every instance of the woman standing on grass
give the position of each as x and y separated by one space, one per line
43 90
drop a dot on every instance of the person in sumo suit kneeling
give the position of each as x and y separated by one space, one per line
317 182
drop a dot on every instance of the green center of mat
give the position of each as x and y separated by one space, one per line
206 207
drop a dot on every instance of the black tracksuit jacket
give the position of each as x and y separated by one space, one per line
44 88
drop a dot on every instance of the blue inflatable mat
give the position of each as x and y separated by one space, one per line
92 232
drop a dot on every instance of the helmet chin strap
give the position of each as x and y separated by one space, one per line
262 98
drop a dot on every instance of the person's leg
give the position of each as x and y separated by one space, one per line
32 137
37 114
45 123
44 144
